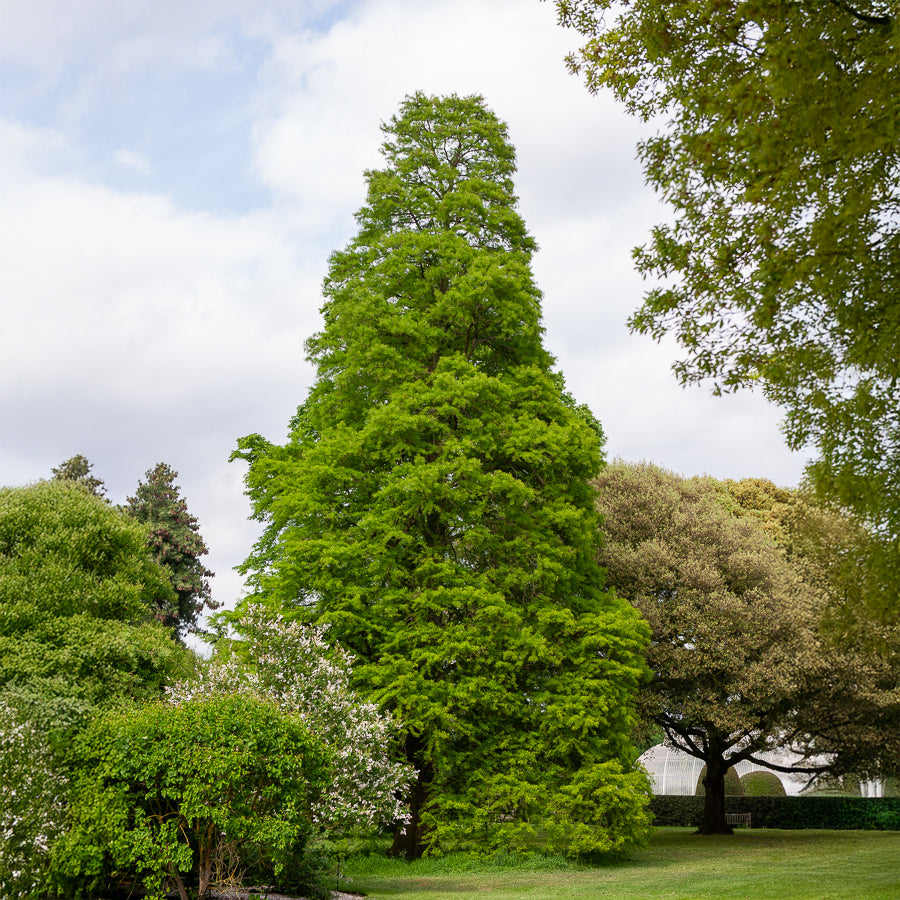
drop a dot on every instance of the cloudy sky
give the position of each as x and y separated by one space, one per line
174 175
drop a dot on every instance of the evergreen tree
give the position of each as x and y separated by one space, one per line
432 506
175 540
78 469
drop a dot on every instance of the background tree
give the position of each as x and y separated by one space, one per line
174 537
780 157
733 626
854 713
78 469
432 506
76 587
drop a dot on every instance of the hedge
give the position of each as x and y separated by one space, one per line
842 813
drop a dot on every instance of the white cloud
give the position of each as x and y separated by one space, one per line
137 331
133 161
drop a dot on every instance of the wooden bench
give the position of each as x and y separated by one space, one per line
738 819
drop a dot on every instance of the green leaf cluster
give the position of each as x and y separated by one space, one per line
160 789
77 585
432 506
779 154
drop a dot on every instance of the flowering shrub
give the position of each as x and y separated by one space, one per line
31 805
293 666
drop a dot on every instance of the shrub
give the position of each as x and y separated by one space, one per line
762 784
31 805
159 790
292 666
733 786
839 813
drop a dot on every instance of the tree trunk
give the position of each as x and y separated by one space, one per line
714 802
410 840
176 877
207 844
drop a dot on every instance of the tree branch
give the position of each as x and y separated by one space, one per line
863 17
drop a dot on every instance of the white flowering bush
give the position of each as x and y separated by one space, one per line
32 796
292 665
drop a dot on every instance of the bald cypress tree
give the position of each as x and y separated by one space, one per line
432 505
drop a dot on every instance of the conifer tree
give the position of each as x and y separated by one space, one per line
175 540
432 506
78 470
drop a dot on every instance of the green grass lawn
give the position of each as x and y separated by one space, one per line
753 865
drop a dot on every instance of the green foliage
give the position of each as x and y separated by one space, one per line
762 784
32 796
159 789
432 506
59 672
853 713
733 647
840 813
834 786
78 470
175 540
780 157
76 587
65 552
291 665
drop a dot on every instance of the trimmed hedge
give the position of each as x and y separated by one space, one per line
840 813
733 786
763 784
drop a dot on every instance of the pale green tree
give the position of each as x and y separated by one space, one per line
734 647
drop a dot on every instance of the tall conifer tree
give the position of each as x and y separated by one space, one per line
432 505
174 537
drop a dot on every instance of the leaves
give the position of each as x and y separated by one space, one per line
779 153
153 783
432 507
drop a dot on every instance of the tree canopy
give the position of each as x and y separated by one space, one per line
77 585
174 537
853 712
779 154
432 506
78 469
733 625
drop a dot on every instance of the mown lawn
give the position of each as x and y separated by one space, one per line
753 865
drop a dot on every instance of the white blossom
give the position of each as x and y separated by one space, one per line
293 666
31 805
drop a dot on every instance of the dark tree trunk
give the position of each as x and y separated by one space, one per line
410 840
714 802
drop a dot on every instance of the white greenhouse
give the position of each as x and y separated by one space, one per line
674 772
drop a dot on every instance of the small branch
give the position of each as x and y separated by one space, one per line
804 770
863 17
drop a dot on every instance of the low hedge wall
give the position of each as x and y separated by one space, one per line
847 813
